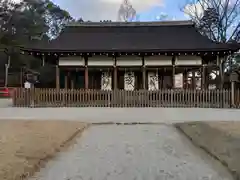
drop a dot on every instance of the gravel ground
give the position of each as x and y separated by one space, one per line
136 152
146 115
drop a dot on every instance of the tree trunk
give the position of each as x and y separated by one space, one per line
6 70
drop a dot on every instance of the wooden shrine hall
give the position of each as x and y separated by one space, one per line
131 55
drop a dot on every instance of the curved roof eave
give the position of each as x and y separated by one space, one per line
41 50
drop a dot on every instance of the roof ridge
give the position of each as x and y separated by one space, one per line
150 23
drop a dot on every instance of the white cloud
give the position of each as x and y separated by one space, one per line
96 10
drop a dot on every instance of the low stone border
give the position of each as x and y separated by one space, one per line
221 145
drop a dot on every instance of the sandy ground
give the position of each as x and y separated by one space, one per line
220 139
26 145
133 152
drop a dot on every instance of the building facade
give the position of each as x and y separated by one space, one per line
132 55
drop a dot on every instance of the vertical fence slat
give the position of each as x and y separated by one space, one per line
120 98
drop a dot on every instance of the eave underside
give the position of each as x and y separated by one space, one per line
127 50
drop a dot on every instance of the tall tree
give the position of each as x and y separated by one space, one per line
218 19
56 18
28 20
126 12
20 21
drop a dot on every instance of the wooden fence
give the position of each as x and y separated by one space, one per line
122 98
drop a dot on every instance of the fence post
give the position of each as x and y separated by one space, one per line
32 94
232 94
109 98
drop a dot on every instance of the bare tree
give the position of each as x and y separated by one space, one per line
218 19
126 12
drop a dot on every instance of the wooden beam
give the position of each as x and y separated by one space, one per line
143 73
115 74
86 77
173 76
193 79
72 84
57 78
144 77
66 81
185 79
203 77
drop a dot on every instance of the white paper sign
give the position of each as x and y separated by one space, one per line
27 85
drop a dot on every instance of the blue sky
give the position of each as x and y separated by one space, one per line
96 10
171 8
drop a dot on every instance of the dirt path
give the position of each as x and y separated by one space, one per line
136 152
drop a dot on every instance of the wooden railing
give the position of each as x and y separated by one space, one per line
122 98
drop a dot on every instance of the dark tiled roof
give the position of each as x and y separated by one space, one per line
170 36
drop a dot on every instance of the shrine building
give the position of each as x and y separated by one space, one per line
131 55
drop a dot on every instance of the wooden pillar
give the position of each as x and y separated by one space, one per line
173 71
66 81
86 77
173 76
203 77
72 84
220 64
193 79
115 74
21 77
143 74
144 77
6 70
185 79
43 61
57 77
